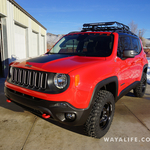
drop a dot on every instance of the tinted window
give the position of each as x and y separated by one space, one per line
135 44
70 46
119 50
86 44
125 43
140 47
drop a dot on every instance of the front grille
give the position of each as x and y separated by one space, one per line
29 78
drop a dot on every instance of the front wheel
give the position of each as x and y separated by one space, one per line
101 116
139 91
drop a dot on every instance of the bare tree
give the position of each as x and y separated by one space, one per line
140 35
133 27
140 32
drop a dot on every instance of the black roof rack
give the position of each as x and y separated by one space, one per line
107 26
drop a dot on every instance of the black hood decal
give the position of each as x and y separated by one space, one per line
46 58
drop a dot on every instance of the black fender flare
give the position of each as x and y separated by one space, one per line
145 67
100 85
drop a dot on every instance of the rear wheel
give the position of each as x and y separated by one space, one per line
139 91
101 116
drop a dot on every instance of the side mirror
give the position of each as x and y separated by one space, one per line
129 53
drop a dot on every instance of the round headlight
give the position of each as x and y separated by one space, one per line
60 80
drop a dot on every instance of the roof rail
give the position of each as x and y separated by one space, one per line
106 26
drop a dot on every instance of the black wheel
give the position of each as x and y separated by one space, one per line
101 115
139 91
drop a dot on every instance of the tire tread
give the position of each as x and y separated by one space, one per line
90 125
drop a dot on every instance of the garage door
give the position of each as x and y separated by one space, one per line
34 49
42 45
20 42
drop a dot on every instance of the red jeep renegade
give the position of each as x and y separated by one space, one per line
79 80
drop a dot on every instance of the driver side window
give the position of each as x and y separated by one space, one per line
123 44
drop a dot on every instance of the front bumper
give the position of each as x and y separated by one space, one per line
41 106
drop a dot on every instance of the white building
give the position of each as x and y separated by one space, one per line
21 35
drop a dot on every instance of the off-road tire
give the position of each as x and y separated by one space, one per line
139 91
103 109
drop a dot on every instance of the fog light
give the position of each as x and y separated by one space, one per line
70 116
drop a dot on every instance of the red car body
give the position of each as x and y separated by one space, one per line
87 75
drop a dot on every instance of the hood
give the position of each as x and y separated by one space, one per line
57 63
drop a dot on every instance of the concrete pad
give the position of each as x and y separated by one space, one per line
15 124
52 136
125 125
140 107
14 129
21 130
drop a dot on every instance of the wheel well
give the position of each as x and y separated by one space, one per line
109 84
111 87
145 70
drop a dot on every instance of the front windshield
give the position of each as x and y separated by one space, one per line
85 44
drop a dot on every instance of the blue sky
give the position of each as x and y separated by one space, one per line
63 16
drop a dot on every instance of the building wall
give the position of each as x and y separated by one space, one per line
20 28
20 17
3 7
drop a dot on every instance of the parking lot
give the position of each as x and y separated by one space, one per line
22 130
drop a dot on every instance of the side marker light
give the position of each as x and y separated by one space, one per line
77 80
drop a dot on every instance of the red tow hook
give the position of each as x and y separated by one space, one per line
8 101
46 116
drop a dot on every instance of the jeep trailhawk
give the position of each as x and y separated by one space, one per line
79 80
